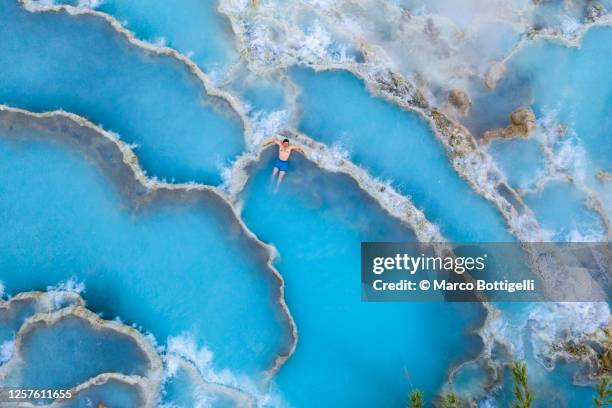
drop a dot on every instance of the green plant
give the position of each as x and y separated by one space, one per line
449 400
416 399
604 393
522 393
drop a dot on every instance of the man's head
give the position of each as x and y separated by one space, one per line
285 142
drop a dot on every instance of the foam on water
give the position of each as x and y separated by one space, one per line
317 221
179 391
268 106
151 243
12 316
522 161
267 102
7 350
185 386
561 210
81 63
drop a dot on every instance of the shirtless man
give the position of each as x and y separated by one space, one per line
284 151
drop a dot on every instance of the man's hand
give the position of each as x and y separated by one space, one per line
269 142
299 149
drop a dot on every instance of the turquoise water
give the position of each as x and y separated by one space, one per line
158 262
349 353
18 310
575 83
12 318
71 351
522 161
551 387
193 27
112 393
574 87
180 391
80 64
418 168
261 95
198 30
561 210
568 88
176 264
266 101
338 109
491 109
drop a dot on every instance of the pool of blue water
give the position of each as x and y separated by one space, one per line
17 311
562 213
349 353
192 27
198 30
80 64
180 390
172 263
396 145
570 91
260 94
178 266
71 351
405 152
13 317
522 161
575 83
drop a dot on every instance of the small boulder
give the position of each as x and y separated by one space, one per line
595 12
604 176
523 120
495 72
522 124
460 100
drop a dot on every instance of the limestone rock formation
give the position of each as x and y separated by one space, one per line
495 72
604 176
460 100
595 11
522 123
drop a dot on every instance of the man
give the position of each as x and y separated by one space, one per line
284 151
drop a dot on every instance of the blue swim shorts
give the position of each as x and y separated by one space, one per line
281 165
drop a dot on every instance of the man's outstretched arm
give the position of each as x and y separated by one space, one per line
272 140
300 150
